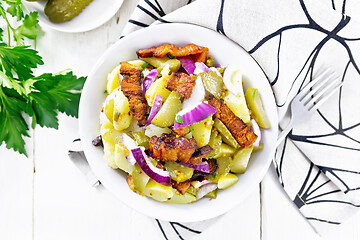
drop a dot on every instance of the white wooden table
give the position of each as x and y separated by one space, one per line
45 197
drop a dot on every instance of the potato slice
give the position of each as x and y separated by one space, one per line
166 116
113 79
201 132
109 150
121 114
158 87
158 191
120 159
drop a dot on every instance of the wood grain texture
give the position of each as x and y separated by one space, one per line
56 201
16 193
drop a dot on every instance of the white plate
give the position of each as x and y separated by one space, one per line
224 52
95 14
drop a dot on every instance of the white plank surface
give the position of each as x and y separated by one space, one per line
56 202
16 193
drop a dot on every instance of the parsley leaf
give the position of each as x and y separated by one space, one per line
23 95
179 119
61 91
15 9
13 125
19 60
29 28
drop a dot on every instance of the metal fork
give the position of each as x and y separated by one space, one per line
305 103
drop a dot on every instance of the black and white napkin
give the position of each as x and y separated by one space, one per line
318 164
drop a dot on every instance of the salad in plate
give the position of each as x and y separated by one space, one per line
179 124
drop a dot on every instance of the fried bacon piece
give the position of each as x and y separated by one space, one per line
243 134
168 147
182 83
197 53
180 186
182 131
200 153
131 87
199 176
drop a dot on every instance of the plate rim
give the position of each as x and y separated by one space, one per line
159 27
30 6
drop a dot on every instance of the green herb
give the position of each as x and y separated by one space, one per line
191 129
145 65
106 92
170 56
22 94
179 119
215 175
192 194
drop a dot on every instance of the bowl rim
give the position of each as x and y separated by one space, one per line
144 207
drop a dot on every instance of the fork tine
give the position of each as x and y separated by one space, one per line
312 83
328 95
316 88
319 93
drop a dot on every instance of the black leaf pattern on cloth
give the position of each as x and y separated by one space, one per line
321 185
220 25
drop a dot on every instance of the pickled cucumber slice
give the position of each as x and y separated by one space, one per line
224 150
178 173
182 199
64 10
153 130
238 106
241 160
226 134
254 103
212 194
140 179
213 83
166 116
227 180
214 142
141 139
137 62
223 167
160 63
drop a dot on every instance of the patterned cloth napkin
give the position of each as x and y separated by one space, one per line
319 162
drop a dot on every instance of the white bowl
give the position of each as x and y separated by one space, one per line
95 14
224 52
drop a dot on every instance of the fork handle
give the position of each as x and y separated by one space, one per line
285 132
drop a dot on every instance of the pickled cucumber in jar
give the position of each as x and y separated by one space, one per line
64 10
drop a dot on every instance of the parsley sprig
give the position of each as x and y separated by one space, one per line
23 95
